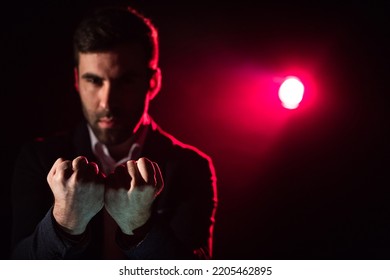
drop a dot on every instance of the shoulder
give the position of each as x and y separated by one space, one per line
186 163
177 149
42 144
44 150
50 147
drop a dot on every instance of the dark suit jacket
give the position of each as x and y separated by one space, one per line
183 215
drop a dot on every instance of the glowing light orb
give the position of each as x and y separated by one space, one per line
291 92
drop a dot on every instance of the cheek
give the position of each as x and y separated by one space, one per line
88 104
89 114
132 108
88 96
85 102
134 100
132 97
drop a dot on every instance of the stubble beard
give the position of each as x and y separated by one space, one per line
110 136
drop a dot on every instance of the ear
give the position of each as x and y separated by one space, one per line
76 78
154 83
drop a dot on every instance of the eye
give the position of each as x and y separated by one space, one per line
94 80
128 79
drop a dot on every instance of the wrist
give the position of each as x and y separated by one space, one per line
126 241
134 223
67 224
70 239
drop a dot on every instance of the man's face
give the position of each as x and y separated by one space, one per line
113 87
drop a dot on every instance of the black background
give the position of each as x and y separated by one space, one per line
321 192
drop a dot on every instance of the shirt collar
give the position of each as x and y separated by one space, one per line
103 155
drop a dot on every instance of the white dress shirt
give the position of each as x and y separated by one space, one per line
103 155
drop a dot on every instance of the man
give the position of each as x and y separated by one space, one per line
118 186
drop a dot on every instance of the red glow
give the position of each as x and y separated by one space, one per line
291 92
240 98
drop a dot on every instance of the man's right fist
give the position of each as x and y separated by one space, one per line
78 190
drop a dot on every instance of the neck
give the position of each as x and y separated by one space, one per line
120 151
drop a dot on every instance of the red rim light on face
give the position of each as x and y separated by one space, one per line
291 92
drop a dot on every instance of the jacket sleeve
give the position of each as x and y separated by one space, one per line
47 243
34 232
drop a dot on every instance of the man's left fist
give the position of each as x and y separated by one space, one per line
130 192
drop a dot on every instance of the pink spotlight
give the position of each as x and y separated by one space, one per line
291 92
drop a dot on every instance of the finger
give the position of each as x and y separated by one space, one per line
53 170
159 179
94 167
122 177
146 170
91 169
88 172
113 179
133 171
110 181
101 178
102 175
64 169
79 162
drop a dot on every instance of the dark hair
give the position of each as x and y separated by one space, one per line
107 27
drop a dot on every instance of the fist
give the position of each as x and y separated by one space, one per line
131 191
78 190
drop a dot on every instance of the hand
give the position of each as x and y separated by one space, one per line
130 192
78 190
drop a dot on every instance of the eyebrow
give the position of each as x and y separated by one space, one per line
91 76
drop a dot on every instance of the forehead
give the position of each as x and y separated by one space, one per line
124 58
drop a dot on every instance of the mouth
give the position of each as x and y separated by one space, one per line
106 122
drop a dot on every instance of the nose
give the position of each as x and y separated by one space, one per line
107 96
